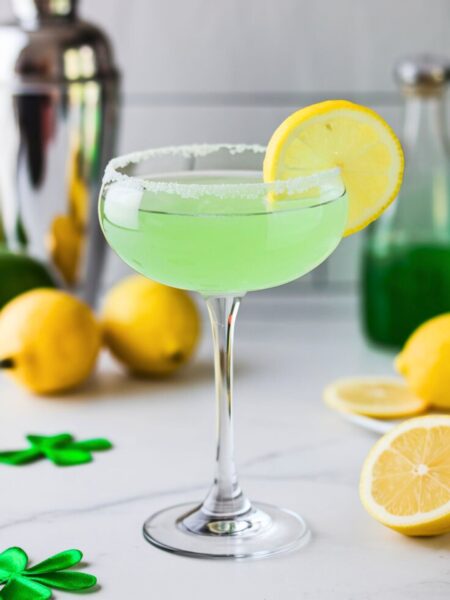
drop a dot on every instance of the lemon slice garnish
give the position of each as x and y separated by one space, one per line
338 133
405 480
383 398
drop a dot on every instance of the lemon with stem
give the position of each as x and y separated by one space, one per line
49 340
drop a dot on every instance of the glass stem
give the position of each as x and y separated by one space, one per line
225 499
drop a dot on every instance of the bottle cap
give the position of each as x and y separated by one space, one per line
424 74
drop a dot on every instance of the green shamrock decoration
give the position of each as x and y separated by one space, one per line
21 583
61 449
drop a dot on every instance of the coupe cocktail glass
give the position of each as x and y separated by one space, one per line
200 218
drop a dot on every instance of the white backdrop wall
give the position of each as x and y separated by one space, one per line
231 70
266 45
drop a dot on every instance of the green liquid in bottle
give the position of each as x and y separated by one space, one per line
403 286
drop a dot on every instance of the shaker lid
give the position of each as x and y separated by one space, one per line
50 45
422 74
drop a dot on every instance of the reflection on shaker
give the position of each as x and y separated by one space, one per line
64 242
34 117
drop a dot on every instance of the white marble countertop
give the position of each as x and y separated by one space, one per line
292 451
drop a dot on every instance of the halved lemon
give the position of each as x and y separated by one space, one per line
405 480
339 133
380 397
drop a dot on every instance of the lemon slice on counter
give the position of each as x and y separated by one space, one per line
383 398
338 133
405 480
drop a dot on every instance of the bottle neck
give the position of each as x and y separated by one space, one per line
33 12
425 124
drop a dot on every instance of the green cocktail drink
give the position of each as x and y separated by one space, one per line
226 241
202 218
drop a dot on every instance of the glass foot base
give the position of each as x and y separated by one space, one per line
264 531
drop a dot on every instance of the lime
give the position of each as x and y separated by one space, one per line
20 273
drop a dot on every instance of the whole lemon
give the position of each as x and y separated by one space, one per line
425 361
149 327
49 340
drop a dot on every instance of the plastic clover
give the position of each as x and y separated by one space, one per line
61 449
20 583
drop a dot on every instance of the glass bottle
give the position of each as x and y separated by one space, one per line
406 256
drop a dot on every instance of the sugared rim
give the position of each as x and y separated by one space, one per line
327 181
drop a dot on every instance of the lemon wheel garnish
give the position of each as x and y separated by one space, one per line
405 480
383 398
338 133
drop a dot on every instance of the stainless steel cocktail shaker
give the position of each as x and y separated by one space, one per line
58 121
